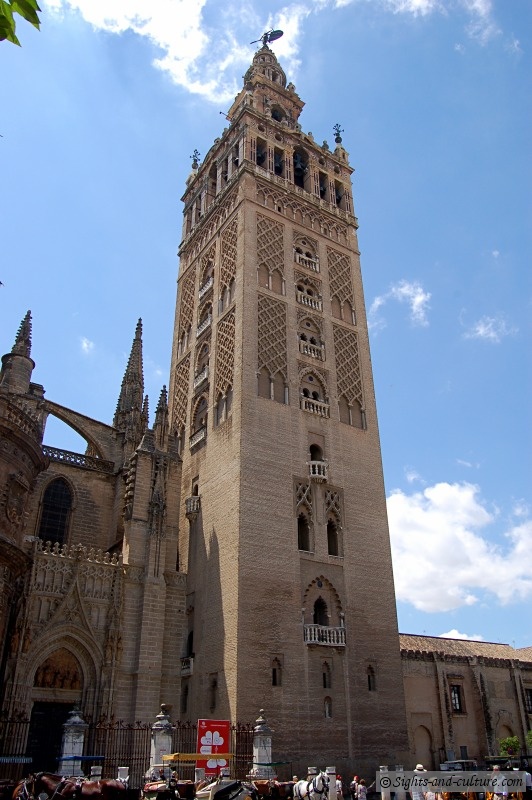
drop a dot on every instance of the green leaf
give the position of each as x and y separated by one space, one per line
27 9
7 23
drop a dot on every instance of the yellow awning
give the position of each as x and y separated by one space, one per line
197 756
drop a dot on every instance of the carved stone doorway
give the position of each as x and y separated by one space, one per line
46 734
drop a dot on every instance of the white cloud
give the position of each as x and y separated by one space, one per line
454 634
441 559
490 329
411 293
204 47
86 345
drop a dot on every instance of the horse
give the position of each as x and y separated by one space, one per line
47 786
315 788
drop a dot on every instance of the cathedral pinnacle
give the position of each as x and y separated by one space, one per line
131 410
22 346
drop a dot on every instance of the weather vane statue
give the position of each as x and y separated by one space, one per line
195 159
269 36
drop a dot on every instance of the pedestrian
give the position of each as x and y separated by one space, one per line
417 792
339 788
498 795
528 789
353 788
362 793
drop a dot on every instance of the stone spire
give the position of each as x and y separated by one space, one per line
131 410
22 346
161 420
17 366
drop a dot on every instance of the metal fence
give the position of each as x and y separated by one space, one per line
115 744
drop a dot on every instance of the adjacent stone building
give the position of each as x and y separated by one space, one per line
463 697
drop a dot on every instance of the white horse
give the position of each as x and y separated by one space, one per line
314 789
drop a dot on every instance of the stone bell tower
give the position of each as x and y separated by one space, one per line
283 529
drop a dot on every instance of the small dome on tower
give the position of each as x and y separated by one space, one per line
265 63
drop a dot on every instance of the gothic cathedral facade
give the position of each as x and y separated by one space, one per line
235 556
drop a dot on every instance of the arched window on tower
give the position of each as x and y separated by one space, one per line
56 512
327 675
277 673
303 533
321 614
372 681
213 691
184 696
327 708
332 538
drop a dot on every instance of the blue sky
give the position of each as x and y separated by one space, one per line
100 112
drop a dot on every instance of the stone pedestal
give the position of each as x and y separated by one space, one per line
73 739
331 774
262 750
161 738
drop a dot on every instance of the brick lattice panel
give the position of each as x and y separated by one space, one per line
349 379
340 281
179 406
228 253
225 354
270 248
187 287
272 335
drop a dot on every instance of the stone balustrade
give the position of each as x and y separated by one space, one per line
198 437
78 459
201 376
192 507
309 263
204 325
312 350
206 286
318 471
317 407
307 300
324 635
187 666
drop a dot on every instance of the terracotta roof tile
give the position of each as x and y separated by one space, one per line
463 647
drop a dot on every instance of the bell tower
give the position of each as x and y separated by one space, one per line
283 529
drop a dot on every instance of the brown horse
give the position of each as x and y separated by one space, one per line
54 787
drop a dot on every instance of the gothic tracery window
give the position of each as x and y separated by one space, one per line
56 511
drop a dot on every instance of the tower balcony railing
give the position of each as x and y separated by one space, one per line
207 322
198 437
317 407
324 635
187 666
312 350
307 300
192 507
309 263
202 376
318 471
206 286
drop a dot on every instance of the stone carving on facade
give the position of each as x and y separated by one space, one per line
16 495
304 499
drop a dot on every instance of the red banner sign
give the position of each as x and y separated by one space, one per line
214 736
